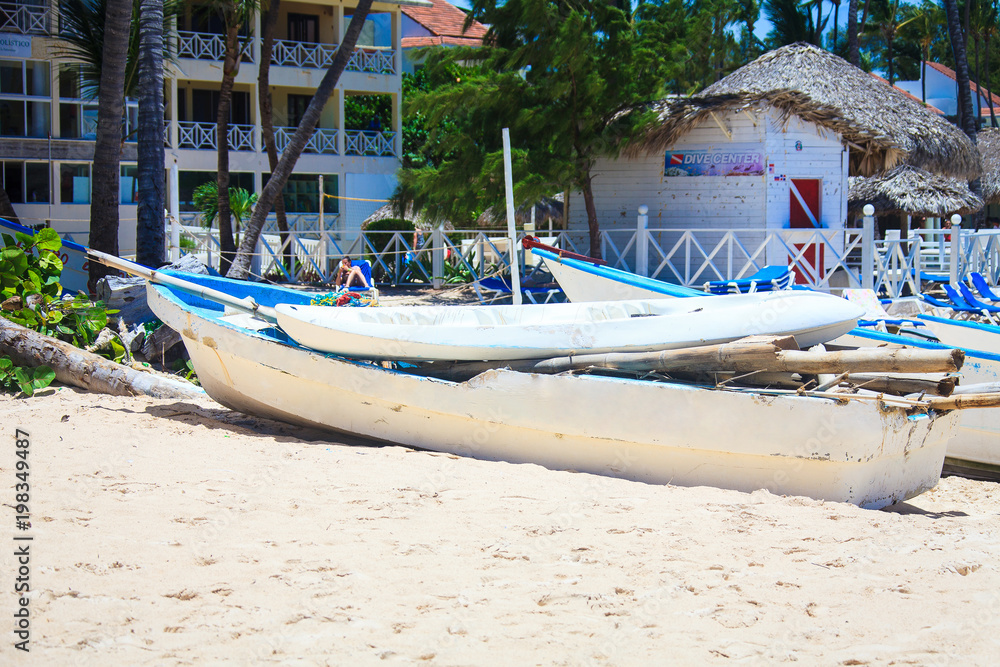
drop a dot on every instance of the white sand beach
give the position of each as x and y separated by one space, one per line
179 532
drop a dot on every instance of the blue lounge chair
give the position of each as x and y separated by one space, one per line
958 307
983 287
932 277
971 299
499 287
769 278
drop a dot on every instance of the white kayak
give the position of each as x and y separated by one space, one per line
471 333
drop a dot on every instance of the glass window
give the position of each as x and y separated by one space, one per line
74 183
36 78
12 118
129 184
301 193
69 82
37 119
36 182
187 181
13 181
12 77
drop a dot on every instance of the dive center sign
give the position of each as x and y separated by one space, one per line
730 161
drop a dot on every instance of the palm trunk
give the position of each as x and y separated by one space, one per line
853 55
108 144
993 114
977 107
964 93
230 68
923 75
150 234
267 123
836 22
241 266
889 55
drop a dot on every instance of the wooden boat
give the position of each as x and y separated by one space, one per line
975 449
411 333
870 453
586 279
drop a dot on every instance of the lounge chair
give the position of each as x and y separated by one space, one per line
983 287
932 277
960 308
769 278
971 299
492 289
960 305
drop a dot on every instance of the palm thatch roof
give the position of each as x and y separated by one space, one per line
884 128
912 191
419 220
545 208
989 148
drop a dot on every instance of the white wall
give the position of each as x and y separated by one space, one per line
716 202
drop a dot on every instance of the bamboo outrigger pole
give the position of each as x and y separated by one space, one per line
247 305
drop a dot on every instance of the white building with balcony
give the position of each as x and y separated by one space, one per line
47 128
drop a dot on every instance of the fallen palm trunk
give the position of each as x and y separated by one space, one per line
83 369
903 386
755 353
965 401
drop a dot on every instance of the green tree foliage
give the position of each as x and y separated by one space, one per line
562 76
205 197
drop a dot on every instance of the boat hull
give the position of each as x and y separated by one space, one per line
474 333
651 432
976 444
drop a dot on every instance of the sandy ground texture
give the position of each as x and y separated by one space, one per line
179 532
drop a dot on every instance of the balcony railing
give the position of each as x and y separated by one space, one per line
322 141
302 54
24 19
202 136
206 46
370 60
363 142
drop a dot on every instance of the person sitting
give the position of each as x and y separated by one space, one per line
347 274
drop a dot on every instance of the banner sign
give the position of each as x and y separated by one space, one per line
15 46
730 161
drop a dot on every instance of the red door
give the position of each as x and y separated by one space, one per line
804 213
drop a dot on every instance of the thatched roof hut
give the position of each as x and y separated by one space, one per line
989 148
418 219
546 208
912 191
882 125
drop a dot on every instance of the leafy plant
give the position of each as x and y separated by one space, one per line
30 269
27 380
205 197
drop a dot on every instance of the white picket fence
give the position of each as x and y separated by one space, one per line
822 259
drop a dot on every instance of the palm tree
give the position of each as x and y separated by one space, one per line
853 53
279 176
267 117
150 234
107 147
887 17
236 16
205 198
968 121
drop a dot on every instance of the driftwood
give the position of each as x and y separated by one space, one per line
755 353
965 401
904 386
157 344
83 369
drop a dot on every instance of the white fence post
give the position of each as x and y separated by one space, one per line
868 248
956 249
642 242
437 258
175 215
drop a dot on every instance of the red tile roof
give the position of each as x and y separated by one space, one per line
916 99
443 20
950 73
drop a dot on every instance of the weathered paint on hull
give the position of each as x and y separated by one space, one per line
977 440
650 432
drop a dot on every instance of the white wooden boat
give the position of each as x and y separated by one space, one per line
975 449
413 333
864 452
583 279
